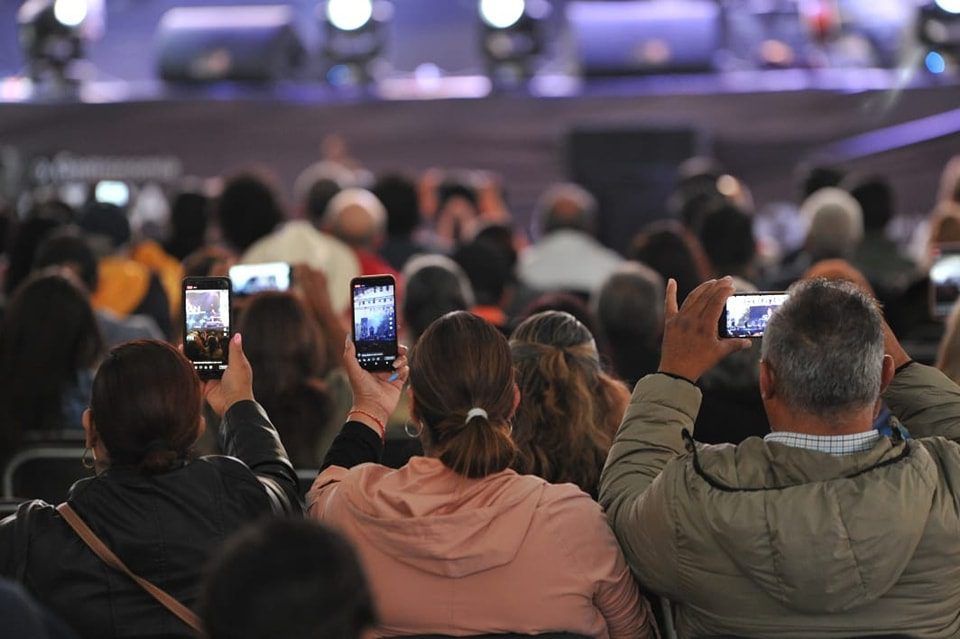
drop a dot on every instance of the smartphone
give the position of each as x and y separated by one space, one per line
374 304
206 330
944 279
250 279
112 192
747 314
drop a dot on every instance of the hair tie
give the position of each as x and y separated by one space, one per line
475 412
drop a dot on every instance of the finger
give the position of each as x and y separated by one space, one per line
670 301
728 346
400 362
350 362
402 350
695 298
714 301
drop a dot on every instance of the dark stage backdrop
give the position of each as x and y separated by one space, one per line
760 137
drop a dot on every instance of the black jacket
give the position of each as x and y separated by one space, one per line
163 527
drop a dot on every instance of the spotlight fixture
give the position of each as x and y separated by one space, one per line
52 36
512 37
938 29
354 38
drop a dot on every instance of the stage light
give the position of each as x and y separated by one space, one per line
950 6
349 15
52 36
502 14
354 38
936 64
70 13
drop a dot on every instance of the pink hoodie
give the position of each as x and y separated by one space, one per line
457 556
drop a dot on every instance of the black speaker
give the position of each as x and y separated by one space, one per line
632 172
246 44
645 36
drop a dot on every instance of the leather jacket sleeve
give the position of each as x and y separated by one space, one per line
247 434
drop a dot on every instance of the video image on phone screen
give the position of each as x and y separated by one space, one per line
207 327
374 324
945 279
747 315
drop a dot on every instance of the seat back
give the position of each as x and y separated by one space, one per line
44 472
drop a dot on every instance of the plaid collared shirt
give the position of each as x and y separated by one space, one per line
833 444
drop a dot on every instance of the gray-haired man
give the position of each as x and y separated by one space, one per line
824 528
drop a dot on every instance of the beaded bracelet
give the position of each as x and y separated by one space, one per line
378 422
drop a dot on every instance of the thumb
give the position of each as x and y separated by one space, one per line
730 346
670 299
350 362
237 355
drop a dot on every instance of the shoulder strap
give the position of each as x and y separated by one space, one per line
108 557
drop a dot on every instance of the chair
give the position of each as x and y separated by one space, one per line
44 472
9 506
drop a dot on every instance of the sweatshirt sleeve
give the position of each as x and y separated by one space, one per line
926 401
355 444
636 493
247 434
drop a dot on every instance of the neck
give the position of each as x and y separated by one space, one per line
848 423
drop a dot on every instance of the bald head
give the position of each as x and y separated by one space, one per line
356 217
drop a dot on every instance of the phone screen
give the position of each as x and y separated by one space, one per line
375 321
944 280
206 334
747 314
112 192
250 279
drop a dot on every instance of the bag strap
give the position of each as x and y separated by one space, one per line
100 549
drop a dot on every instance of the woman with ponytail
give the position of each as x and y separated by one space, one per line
455 542
570 408
158 510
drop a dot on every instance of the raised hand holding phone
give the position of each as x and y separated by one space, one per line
236 384
375 394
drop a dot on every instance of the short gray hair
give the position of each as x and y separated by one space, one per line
565 205
825 346
630 302
834 223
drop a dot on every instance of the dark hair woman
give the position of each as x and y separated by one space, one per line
158 511
442 535
49 346
570 408
286 349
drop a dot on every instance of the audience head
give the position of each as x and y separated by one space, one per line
672 251
837 270
106 226
67 248
823 351
49 334
401 200
950 182
318 184
145 408
488 269
501 236
459 364
356 217
726 235
247 210
566 206
25 239
286 578
188 223
875 196
434 286
834 224
569 409
283 343
816 177
629 306
458 208
563 302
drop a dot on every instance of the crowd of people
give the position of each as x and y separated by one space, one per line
565 446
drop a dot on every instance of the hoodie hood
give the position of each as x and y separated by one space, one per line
819 533
427 516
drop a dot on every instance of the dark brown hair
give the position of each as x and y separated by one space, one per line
146 405
285 347
49 334
459 363
569 408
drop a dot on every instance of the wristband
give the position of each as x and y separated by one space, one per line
378 422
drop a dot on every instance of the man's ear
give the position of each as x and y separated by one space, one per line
887 372
89 429
767 381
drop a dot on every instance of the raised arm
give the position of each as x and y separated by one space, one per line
247 434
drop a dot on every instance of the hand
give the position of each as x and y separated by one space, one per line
236 384
375 393
691 345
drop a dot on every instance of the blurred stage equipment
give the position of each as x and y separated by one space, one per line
52 36
354 39
938 29
241 43
512 37
646 36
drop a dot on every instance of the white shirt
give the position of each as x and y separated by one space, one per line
567 260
